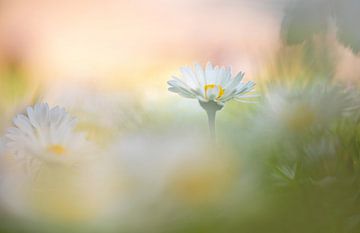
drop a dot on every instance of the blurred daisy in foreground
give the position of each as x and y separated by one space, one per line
64 195
45 134
212 87
162 167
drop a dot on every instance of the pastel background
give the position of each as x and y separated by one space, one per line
107 62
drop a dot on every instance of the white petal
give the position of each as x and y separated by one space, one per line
209 74
190 77
200 74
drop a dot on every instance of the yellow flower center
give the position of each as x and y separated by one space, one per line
209 87
57 149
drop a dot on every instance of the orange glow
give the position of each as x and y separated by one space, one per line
119 44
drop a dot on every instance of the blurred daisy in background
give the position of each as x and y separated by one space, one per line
100 115
46 134
300 108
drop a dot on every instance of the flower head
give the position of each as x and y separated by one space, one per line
211 84
299 109
45 133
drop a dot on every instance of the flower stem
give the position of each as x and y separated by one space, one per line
211 108
211 118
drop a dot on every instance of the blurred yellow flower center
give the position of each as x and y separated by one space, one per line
300 118
57 149
212 86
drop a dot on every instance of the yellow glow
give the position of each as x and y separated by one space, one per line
102 44
300 118
211 86
203 183
57 149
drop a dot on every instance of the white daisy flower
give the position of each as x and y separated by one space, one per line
45 134
211 84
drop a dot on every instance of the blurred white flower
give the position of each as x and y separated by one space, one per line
178 168
211 84
101 115
45 134
300 109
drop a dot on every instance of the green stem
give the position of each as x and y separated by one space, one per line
211 118
211 108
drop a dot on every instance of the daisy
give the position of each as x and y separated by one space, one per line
212 87
100 115
211 84
45 134
299 109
